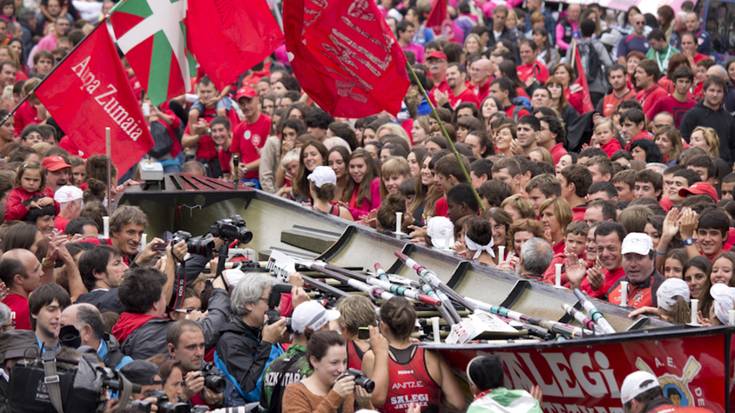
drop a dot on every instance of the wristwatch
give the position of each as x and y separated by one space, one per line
689 241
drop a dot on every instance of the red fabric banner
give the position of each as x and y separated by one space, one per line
438 13
89 91
691 365
228 37
582 81
345 56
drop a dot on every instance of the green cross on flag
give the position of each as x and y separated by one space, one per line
152 35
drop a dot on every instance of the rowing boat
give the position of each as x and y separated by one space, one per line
581 374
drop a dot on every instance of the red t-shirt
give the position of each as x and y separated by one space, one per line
441 208
19 305
611 277
26 114
536 69
467 95
610 102
612 146
644 134
648 97
557 151
248 139
673 106
510 111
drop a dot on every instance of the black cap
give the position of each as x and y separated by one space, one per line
141 372
15 344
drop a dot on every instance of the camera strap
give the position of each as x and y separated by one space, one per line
125 394
52 380
180 286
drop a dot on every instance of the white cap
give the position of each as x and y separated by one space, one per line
323 175
68 193
311 315
441 231
724 301
637 243
669 290
636 383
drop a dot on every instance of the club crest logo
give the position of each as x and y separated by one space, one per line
676 388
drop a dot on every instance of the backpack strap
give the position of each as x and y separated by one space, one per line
52 380
516 111
277 394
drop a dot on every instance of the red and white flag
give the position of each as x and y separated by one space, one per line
89 91
345 56
582 81
228 37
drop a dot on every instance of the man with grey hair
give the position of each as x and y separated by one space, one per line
536 256
87 321
248 343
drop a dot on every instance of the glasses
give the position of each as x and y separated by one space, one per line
185 310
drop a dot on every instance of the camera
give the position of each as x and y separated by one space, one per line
273 317
213 379
362 380
112 380
162 402
195 245
232 228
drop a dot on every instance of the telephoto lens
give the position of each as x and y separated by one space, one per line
362 380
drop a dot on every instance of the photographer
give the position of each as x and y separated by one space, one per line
142 328
328 389
293 366
87 320
102 269
247 344
185 341
127 225
13 347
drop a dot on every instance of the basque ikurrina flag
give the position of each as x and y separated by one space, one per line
152 35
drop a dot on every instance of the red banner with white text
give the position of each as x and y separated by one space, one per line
692 370
89 91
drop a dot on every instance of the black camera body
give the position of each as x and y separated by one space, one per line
213 378
195 245
362 380
231 229
162 402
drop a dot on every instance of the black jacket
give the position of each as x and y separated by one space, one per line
150 338
245 354
721 121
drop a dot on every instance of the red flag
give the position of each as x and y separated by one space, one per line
89 91
582 81
345 56
438 13
228 37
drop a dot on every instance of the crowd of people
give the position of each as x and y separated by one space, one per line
623 188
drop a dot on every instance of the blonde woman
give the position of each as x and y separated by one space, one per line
707 139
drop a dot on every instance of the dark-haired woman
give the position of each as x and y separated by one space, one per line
322 183
328 389
485 374
414 375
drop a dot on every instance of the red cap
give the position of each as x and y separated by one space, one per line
436 55
246 92
700 188
54 163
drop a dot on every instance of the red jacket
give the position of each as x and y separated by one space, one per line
16 204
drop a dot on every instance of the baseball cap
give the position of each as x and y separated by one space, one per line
669 290
441 231
15 344
141 372
68 193
311 315
637 243
54 163
322 175
723 301
246 92
700 188
436 55
636 383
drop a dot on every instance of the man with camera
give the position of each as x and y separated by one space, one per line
248 344
145 293
127 225
185 342
85 322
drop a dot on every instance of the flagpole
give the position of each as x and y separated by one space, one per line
59 63
452 146
108 151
